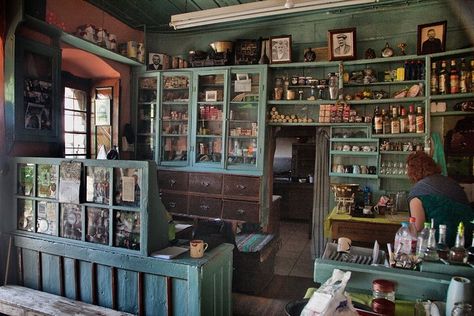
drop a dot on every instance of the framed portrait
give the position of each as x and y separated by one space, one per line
157 61
246 52
211 95
342 44
280 47
102 112
431 38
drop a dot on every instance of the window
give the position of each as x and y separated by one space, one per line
76 115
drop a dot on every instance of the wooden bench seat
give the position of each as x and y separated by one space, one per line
22 301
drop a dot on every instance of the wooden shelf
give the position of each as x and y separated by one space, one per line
353 153
301 102
353 175
391 152
354 140
383 101
383 83
402 135
452 96
450 113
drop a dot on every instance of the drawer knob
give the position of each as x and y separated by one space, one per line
204 207
205 184
172 204
172 182
240 186
241 211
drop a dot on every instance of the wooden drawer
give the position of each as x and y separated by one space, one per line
175 203
203 206
205 183
173 180
244 186
240 210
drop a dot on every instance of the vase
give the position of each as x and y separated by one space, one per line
459 290
264 58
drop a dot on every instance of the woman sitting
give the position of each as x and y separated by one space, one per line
437 197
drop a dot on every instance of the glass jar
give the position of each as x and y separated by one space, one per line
383 306
383 289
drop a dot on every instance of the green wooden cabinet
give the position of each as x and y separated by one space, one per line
207 119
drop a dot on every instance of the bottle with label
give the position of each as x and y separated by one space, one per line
470 251
403 240
422 240
441 247
420 120
378 129
453 78
443 79
464 77
385 122
407 70
403 121
411 119
420 66
458 253
413 71
395 122
434 79
413 234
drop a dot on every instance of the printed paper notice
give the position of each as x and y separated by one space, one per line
243 85
128 189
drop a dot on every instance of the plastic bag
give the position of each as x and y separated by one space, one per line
330 298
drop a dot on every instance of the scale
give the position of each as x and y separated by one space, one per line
344 196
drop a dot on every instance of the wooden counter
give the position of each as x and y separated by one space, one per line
363 231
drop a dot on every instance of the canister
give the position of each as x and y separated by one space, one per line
132 48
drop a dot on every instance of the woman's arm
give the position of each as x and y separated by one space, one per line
417 211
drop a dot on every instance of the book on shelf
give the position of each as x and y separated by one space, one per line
169 252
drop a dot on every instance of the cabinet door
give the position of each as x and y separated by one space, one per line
174 118
146 117
243 118
209 119
36 114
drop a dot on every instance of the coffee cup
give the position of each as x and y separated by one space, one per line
363 169
372 169
356 169
346 148
197 248
340 169
344 244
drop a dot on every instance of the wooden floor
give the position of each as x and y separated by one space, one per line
272 300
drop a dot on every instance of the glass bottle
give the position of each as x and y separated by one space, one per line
378 127
411 119
413 70
395 123
385 122
472 75
453 78
403 121
470 251
431 253
407 70
420 66
422 240
441 247
434 79
443 79
420 120
464 77
458 254
413 234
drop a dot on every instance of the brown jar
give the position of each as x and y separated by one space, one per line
383 306
383 289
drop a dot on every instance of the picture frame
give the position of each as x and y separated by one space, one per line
342 44
102 112
431 38
280 49
211 95
156 61
246 52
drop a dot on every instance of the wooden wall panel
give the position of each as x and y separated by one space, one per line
30 269
179 296
50 274
69 285
155 295
104 286
85 281
127 291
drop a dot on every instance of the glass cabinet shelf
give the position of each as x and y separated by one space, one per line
146 121
384 83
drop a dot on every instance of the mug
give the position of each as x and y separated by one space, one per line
366 148
343 244
348 169
346 148
355 148
367 210
356 169
371 169
363 169
340 168
197 248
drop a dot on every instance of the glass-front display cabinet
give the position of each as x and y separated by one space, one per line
174 118
243 119
146 117
209 123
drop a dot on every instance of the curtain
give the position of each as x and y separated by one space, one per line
321 191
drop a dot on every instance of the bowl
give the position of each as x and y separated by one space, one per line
222 46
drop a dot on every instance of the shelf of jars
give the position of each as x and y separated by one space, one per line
382 101
383 83
353 175
400 135
300 102
352 139
353 153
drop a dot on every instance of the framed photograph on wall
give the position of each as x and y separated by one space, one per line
431 38
155 61
342 44
280 47
246 52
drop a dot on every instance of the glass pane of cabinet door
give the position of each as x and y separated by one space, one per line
146 121
243 118
209 127
174 118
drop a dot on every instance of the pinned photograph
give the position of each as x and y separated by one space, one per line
211 95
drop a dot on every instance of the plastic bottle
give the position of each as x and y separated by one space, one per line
404 240
413 234
422 240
